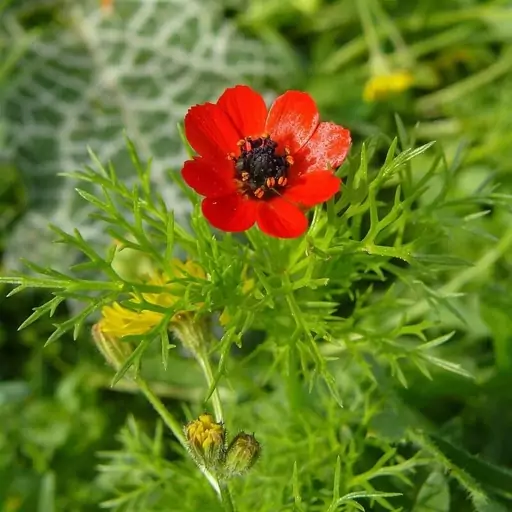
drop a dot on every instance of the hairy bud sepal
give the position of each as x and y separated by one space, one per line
206 440
241 455
114 350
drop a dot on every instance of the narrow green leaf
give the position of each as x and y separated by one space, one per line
436 342
488 475
169 242
134 358
165 345
336 486
390 155
448 366
49 307
90 198
367 495
296 489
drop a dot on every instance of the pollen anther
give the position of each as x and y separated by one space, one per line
261 166
259 192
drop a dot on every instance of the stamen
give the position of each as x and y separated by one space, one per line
261 167
259 192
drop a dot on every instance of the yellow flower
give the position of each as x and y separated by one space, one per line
120 321
379 87
206 440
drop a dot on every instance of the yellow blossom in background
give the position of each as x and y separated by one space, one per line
380 87
120 321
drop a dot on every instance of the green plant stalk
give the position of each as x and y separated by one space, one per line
173 426
206 367
393 32
225 497
377 59
160 408
194 338
204 363
466 86
356 48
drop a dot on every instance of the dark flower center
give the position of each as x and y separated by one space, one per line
259 168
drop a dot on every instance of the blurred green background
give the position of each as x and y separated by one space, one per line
76 73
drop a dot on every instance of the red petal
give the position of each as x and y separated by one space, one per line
210 178
230 213
246 109
292 119
209 131
313 188
281 218
328 146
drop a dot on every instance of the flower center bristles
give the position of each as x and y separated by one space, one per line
259 168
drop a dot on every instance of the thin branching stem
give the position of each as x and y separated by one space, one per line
225 497
173 426
206 367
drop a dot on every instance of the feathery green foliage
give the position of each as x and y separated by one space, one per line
371 358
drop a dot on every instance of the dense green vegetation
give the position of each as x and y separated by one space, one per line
400 311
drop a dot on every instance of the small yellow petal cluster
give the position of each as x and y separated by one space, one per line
380 87
206 439
204 432
120 321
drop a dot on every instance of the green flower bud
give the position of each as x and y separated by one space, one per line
207 441
242 454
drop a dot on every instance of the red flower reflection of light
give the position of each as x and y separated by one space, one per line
262 167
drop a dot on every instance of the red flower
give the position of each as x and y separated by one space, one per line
262 167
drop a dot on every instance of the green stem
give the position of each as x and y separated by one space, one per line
204 362
464 87
372 39
393 32
160 408
173 426
194 335
225 497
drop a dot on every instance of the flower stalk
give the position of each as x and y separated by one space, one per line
173 426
